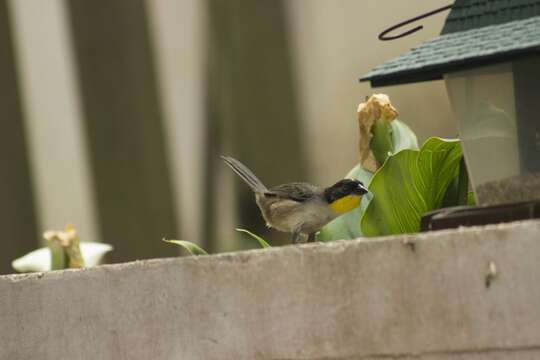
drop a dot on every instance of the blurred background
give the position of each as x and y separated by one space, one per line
114 113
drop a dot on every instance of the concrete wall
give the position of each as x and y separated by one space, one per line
422 296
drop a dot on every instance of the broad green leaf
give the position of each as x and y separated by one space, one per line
192 248
381 142
347 226
409 184
40 260
261 241
403 137
390 137
338 229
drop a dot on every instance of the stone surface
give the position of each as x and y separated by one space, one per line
422 296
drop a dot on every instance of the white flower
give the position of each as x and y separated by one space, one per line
40 260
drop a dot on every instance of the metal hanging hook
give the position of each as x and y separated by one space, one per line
384 37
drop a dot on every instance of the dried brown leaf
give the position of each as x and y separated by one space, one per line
376 108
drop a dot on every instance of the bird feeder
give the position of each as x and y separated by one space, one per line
488 54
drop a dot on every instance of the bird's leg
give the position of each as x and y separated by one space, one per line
311 237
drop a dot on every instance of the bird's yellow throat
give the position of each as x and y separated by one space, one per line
346 203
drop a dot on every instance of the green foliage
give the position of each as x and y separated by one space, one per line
457 192
192 248
409 184
388 139
403 137
471 199
263 243
381 143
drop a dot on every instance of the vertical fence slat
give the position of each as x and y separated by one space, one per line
17 218
252 108
61 179
124 126
177 29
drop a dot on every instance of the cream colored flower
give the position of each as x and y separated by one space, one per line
64 245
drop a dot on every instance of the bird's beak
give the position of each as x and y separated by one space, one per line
361 190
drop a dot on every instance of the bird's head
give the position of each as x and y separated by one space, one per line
345 195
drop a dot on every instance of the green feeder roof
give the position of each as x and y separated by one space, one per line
476 33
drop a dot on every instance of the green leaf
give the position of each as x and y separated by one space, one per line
261 241
409 184
457 191
338 229
347 226
390 137
471 199
192 248
381 143
403 137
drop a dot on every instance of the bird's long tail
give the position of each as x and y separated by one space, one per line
247 175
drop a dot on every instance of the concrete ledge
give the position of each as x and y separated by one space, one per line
421 296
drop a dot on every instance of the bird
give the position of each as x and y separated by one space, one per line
300 208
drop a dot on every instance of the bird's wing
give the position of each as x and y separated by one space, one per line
298 192
284 209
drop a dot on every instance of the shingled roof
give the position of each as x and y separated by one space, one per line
472 14
476 33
